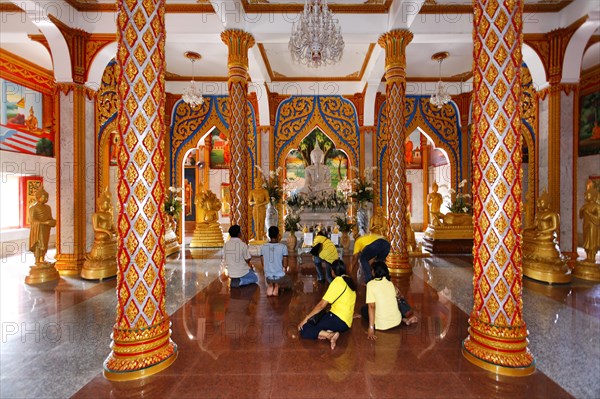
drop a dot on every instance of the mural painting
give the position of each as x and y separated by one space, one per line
21 116
589 129
220 154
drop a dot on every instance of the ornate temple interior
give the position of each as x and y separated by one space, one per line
134 134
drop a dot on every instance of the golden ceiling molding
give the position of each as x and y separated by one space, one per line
380 7
173 77
279 77
433 8
200 7
590 80
26 73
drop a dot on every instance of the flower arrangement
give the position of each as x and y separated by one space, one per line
363 186
461 202
173 202
343 223
271 183
292 221
319 201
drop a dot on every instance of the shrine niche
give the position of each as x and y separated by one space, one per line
298 163
299 116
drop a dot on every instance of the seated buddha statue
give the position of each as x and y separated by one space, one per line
208 231
378 223
317 175
101 261
542 259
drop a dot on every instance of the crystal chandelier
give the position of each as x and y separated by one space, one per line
192 95
440 97
316 38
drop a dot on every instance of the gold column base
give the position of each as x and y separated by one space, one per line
96 269
587 270
69 264
41 273
501 350
207 235
497 369
553 272
140 353
398 264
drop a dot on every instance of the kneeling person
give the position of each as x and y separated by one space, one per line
274 257
237 260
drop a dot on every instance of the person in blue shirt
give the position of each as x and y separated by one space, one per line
274 257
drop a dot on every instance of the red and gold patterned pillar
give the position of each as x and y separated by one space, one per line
497 338
394 43
141 336
238 42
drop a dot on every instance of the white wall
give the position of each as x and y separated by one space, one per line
15 241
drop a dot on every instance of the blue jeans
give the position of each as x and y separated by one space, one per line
246 279
378 250
318 265
328 322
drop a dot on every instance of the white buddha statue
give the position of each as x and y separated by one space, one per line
317 175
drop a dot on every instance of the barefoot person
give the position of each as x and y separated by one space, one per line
341 294
274 257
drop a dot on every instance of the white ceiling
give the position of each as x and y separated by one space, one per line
200 32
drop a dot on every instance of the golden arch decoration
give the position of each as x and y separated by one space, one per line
297 116
189 125
106 123
442 126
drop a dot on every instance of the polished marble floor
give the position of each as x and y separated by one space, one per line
239 343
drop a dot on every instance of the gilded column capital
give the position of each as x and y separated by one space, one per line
238 42
394 42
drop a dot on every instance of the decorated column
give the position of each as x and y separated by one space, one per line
497 338
394 43
141 336
239 42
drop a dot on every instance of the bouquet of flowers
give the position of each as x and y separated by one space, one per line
343 223
363 186
462 201
292 221
173 202
271 183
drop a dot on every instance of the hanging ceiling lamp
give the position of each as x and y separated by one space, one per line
440 97
192 95
317 38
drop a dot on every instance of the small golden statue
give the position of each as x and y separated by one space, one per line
378 223
588 269
41 221
258 199
542 259
225 199
31 121
101 262
411 241
435 201
450 226
208 233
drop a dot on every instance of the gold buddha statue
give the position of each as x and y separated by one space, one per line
435 201
587 268
411 241
41 221
378 223
208 231
542 259
101 261
449 226
258 199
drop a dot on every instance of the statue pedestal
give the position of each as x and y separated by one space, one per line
207 235
101 262
42 273
448 239
543 261
587 270
171 243
323 216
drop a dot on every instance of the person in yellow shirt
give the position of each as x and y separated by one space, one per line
368 247
328 254
381 309
341 294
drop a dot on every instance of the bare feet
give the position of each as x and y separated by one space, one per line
410 320
269 290
334 339
276 290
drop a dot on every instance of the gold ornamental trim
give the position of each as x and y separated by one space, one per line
23 72
394 43
497 369
238 43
